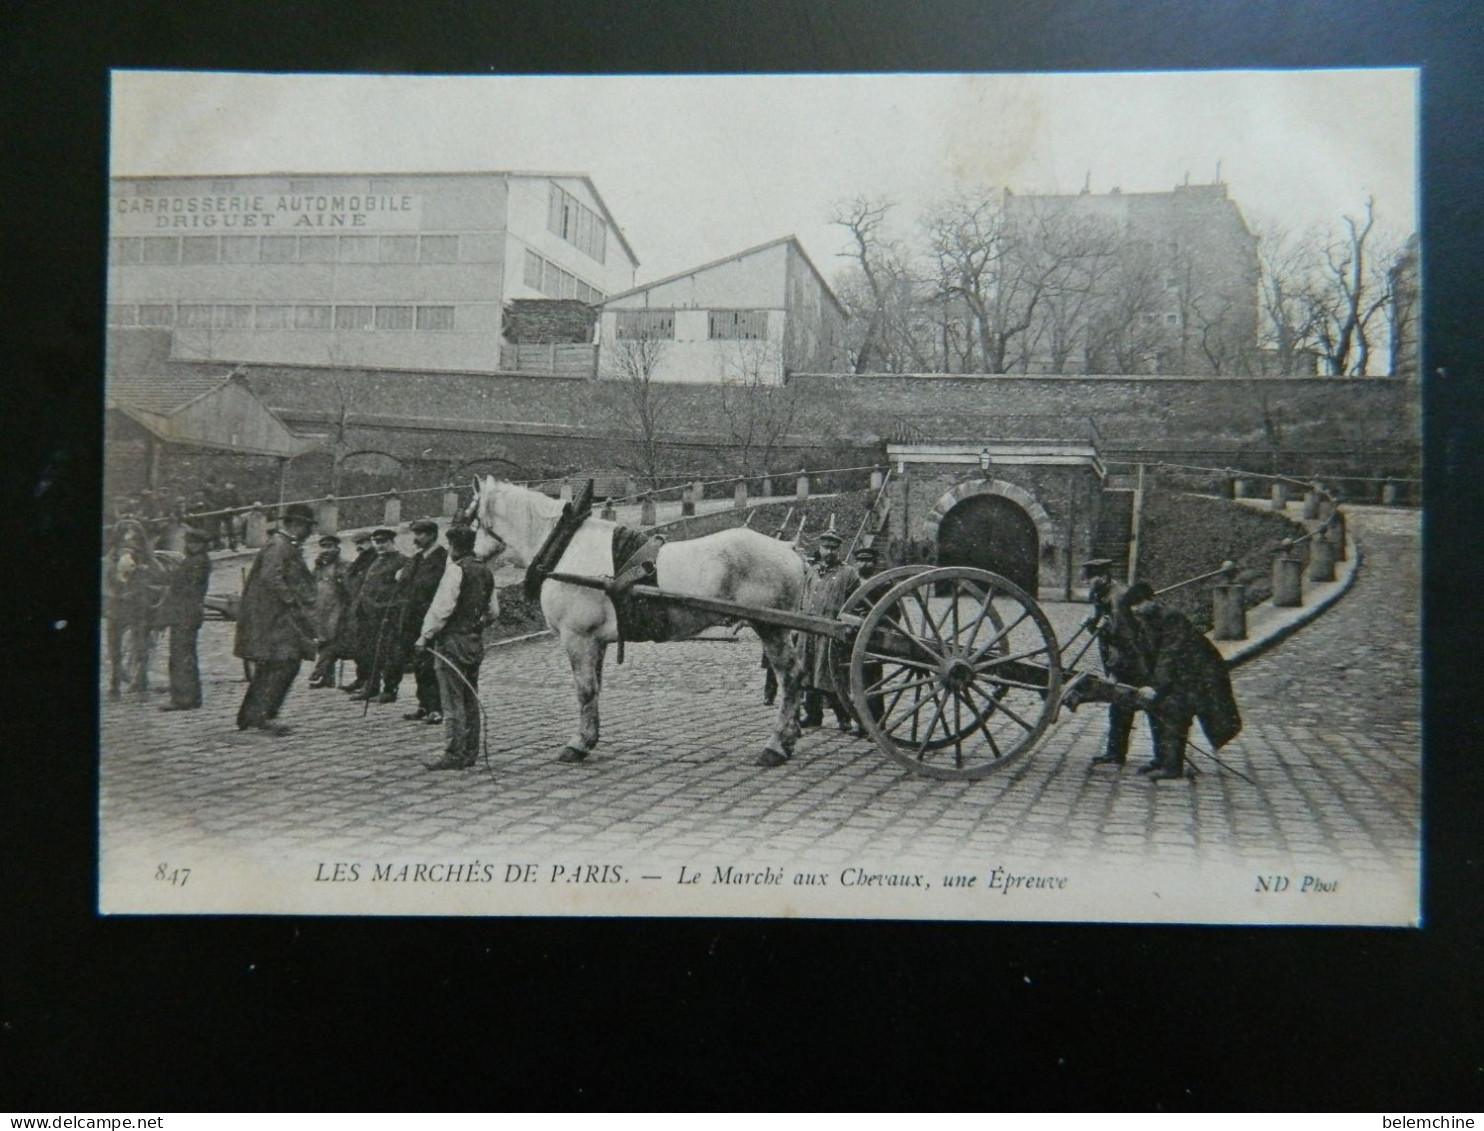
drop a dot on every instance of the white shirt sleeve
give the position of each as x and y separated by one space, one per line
444 601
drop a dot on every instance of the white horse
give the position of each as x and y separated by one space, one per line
737 565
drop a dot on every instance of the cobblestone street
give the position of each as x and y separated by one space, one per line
1331 745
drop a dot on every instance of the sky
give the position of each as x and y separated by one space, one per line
695 168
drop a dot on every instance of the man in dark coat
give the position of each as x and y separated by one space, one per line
419 580
453 627
378 613
329 610
182 611
1118 646
1186 679
275 626
352 644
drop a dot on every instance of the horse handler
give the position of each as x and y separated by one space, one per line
275 628
183 610
453 634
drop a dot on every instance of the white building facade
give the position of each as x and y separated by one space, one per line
747 319
396 271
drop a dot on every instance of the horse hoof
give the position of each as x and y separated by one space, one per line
572 754
768 759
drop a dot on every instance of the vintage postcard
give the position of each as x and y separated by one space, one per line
955 496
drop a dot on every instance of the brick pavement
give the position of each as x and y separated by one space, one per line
1332 743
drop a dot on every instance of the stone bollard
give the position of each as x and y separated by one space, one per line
1241 487
739 494
1321 558
1389 494
256 536
1336 534
565 491
1228 484
801 486
1280 495
1228 614
1288 577
687 503
1311 504
328 519
878 477
647 516
391 513
450 502
767 486
608 514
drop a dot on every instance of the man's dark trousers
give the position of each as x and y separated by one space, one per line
460 707
269 686
429 686
185 674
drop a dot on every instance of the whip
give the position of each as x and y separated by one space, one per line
484 744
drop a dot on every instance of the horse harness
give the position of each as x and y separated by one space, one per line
634 555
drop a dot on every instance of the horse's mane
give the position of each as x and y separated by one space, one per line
526 514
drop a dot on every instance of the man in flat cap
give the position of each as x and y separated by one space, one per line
329 610
378 613
352 646
419 580
275 628
182 611
827 585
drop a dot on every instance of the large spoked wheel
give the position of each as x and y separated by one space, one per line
856 606
955 672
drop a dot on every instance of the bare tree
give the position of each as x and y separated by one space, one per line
881 293
1126 329
758 410
1286 267
1350 290
641 404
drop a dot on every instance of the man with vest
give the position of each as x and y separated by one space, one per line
452 634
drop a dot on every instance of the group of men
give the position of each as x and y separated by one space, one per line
386 612
212 510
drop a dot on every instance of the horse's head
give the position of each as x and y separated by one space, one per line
481 514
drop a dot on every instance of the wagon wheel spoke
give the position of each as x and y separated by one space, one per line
920 665
980 617
958 730
880 686
1002 634
910 713
927 736
999 705
1005 683
983 726
937 656
983 666
928 621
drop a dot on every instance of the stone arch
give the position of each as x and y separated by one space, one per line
1045 529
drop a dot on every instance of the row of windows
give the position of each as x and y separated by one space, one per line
722 325
284 249
546 277
576 223
240 316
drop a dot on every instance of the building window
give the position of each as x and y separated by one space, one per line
124 250
239 249
301 186
636 325
439 249
435 318
394 318
120 315
274 318
358 249
198 249
191 316
534 266
354 318
232 318
576 223
399 249
739 325
318 249
311 318
1171 282
160 249
157 314
279 249
1172 320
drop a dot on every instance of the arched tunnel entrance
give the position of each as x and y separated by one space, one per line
994 533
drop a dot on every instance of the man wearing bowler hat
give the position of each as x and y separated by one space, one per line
275 628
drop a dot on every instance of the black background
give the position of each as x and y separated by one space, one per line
206 1014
